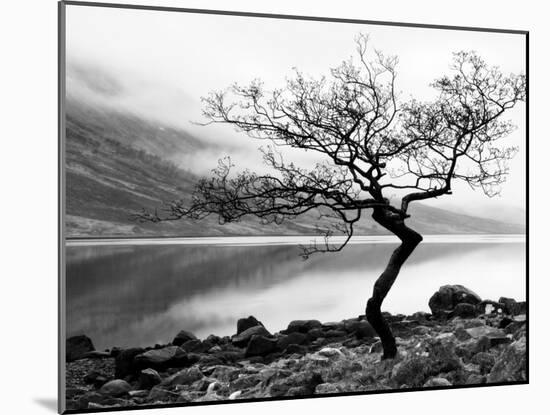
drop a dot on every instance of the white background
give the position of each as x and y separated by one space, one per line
28 163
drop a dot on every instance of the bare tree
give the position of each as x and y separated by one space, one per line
371 143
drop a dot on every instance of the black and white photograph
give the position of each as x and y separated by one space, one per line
262 207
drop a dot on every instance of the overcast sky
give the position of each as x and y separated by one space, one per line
167 61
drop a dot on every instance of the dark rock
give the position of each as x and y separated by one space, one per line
246 323
448 297
214 339
335 333
260 346
376 347
505 322
124 362
512 307
96 355
242 339
230 356
421 316
115 351
149 378
465 310
116 388
314 334
197 346
182 337
295 348
77 346
293 338
160 359
514 327
95 378
362 329
303 326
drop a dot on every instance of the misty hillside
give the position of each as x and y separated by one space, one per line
118 163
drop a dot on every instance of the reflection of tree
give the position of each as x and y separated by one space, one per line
372 144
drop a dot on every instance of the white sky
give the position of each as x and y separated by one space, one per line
169 60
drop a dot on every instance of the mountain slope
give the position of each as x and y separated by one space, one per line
118 163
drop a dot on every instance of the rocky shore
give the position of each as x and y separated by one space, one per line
464 341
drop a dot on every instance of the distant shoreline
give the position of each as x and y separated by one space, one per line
289 240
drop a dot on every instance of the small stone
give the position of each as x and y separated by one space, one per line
326 388
330 352
234 395
116 388
138 394
437 382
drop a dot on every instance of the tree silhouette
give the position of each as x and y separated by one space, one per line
372 144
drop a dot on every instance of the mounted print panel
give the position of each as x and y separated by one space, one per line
259 207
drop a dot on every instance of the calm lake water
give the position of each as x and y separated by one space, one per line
138 293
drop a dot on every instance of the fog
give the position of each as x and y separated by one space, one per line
159 64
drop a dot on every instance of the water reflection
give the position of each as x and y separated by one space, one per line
141 295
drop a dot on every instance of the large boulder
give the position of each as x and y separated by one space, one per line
182 337
77 347
465 310
293 338
512 306
260 346
149 378
361 328
444 301
303 326
242 339
116 388
246 323
160 359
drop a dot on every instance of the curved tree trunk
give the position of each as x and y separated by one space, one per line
409 241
